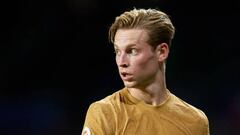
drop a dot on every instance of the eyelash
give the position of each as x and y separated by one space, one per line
116 51
130 51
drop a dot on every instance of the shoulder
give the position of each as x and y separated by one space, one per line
187 111
100 117
107 104
188 116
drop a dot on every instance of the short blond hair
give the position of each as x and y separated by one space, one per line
157 24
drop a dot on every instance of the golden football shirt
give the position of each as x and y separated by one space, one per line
122 114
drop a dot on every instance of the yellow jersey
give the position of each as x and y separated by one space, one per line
122 114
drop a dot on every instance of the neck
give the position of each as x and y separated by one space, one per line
154 93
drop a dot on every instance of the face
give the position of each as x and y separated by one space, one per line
137 62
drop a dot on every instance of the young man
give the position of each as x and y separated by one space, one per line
142 38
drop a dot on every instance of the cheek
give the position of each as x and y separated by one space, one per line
146 64
117 60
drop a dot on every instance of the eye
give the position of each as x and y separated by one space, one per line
117 52
133 51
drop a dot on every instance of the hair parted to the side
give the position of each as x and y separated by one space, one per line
157 24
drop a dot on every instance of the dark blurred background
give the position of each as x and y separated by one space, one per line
56 59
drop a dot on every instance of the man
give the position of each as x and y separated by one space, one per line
142 38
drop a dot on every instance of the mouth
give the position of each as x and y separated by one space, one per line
126 76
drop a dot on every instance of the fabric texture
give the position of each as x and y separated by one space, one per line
122 114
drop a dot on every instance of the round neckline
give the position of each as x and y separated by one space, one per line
141 102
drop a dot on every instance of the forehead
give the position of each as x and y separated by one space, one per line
130 36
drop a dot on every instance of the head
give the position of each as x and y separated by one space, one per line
141 40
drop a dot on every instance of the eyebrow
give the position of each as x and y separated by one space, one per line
128 45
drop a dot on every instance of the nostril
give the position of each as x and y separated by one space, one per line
124 65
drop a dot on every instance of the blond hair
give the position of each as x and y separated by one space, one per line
157 24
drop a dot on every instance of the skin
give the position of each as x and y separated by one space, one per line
141 68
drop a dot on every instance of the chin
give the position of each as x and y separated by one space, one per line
129 84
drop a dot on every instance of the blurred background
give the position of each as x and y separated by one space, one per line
55 59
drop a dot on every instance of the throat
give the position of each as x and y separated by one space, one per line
150 97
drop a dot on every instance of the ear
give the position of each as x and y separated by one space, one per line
162 51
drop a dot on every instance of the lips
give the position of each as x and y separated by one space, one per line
126 76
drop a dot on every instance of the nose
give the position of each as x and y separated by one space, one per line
122 60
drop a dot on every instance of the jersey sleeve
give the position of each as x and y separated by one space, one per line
99 120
